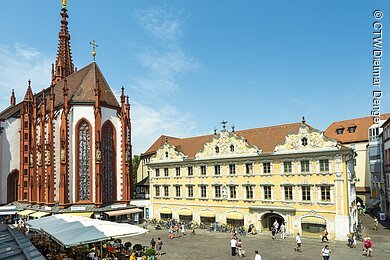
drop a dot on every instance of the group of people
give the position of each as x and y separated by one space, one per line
236 246
275 228
177 230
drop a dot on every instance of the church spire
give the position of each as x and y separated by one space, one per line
29 94
64 65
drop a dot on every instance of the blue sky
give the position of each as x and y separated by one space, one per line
187 65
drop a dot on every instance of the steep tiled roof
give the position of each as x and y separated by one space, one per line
81 86
361 133
264 138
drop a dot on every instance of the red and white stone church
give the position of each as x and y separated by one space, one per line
70 143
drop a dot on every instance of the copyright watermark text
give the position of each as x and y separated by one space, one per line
377 53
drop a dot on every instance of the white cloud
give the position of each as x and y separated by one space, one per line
149 123
18 64
160 22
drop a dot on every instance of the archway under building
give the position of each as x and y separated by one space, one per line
12 186
312 226
268 219
358 199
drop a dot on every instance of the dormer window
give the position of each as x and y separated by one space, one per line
352 129
166 154
304 141
232 148
339 131
216 149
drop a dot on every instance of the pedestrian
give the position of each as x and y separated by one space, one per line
325 252
276 225
273 232
159 246
359 207
324 235
367 246
233 245
299 243
257 256
376 223
170 233
240 248
282 231
183 232
152 243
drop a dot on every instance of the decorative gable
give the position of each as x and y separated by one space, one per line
306 140
167 153
225 145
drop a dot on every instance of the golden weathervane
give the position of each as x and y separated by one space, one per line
64 2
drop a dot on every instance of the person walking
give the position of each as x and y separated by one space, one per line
376 223
257 255
299 243
276 225
367 246
282 231
159 246
240 248
324 235
152 243
233 245
325 252
273 232
183 231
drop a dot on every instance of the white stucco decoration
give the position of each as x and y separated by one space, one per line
167 153
306 140
220 147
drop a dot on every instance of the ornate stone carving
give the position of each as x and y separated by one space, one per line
306 139
167 153
229 145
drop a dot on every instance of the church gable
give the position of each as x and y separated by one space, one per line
167 153
306 140
225 145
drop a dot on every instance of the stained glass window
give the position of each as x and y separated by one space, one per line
84 136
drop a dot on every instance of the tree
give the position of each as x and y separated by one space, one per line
136 160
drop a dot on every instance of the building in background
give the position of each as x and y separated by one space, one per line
290 173
354 134
386 164
67 147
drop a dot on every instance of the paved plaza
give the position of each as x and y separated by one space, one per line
215 245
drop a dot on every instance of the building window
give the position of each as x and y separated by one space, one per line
178 171
267 167
352 129
287 167
190 171
166 191
157 191
166 154
306 193
249 168
304 141
216 149
25 136
157 172
339 131
217 169
249 192
233 191
84 160
288 192
166 172
325 193
217 191
190 191
267 192
305 166
324 165
178 191
203 170
232 169
232 148
203 191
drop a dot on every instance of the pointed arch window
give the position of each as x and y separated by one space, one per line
108 169
84 160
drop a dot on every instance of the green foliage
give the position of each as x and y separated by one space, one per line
135 163
150 251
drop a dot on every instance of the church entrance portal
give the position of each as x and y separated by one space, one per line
12 186
269 218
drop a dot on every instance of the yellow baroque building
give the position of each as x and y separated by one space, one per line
291 173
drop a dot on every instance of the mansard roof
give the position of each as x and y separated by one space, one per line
265 138
361 132
81 86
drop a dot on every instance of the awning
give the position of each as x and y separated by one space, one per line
123 212
39 214
10 212
165 211
26 212
235 215
185 212
313 220
82 214
207 214
375 202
